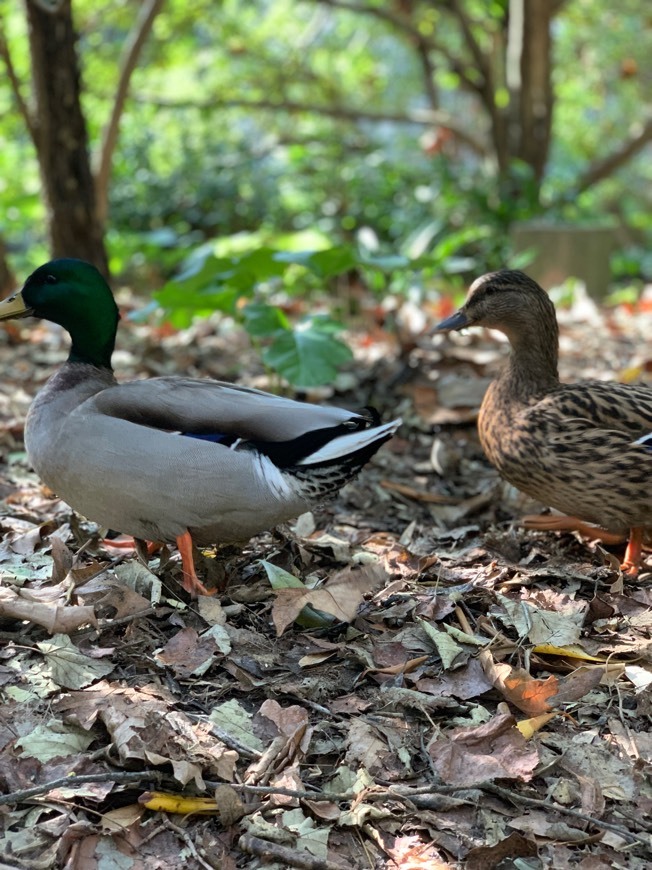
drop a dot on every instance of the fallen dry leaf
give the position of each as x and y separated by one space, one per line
187 653
341 596
120 601
371 690
495 750
488 857
55 618
539 696
144 728
68 667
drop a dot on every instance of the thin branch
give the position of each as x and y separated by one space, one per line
480 58
382 12
548 806
185 837
420 117
409 793
302 794
16 797
133 47
404 792
428 69
423 43
271 852
608 165
16 86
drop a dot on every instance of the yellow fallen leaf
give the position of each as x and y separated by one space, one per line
163 802
630 374
572 651
529 727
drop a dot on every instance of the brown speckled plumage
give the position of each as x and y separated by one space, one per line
570 446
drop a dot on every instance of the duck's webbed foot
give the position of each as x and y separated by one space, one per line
633 554
562 523
191 582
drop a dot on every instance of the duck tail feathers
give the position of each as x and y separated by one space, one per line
359 445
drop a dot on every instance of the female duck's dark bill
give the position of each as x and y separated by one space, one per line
456 321
14 306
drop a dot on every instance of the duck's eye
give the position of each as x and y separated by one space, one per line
51 279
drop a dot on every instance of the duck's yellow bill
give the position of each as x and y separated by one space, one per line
14 306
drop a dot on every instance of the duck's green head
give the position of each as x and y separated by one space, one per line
73 294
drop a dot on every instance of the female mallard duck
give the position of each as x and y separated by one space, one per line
174 459
581 448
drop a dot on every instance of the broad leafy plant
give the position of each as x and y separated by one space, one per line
305 350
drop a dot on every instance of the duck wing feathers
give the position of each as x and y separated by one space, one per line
205 406
121 457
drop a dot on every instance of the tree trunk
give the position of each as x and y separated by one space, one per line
536 94
7 277
133 47
61 137
522 129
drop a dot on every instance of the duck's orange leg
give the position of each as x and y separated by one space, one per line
127 543
122 543
632 561
191 582
557 523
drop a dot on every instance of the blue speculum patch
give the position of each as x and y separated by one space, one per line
646 441
215 437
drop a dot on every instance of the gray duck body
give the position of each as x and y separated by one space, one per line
174 458
116 454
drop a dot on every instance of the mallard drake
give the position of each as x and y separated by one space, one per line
174 459
584 448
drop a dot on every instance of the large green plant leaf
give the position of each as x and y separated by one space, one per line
307 356
210 282
263 320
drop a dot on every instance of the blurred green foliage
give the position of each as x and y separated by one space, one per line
254 285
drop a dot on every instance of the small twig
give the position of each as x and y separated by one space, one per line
232 742
267 850
421 117
15 797
343 797
419 494
123 620
318 708
187 839
642 823
335 797
463 621
548 807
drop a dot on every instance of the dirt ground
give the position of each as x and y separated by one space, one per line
438 687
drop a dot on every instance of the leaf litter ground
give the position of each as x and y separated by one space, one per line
404 678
